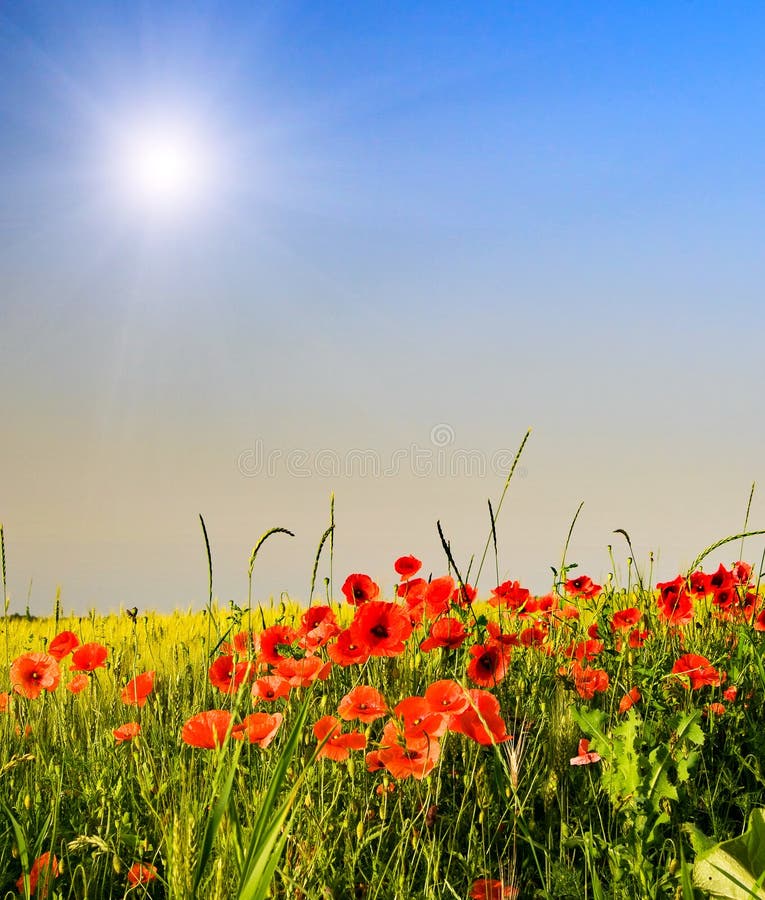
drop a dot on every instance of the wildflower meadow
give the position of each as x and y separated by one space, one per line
417 738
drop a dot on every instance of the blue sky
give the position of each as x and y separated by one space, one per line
488 217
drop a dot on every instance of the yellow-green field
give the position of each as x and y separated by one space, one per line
596 742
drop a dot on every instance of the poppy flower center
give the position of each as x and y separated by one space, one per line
380 631
486 662
358 593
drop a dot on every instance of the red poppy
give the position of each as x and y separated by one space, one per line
446 696
588 681
742 572
625 618
88 657
721 579
141 873
438 595
78 683
363 703
534 636
674 602
317 627
270 688
585 757
406 566
63 644
259 728
360 589
273 640
725 598
446 632
509 595
373 761
538 605
583 586
759 622
569 611
126 732
730 693
413 587
338 745
717 709
491 889
697 670
136 691
637 638
508 638
632 697
383 788
420 721
698 584
347 651
5 701
414 762
414 598
227 675
489 664
381 627
407 757
207 729
32 673
302 672
245 643
585 650
43 871
465 595
315 616
745 606
481 720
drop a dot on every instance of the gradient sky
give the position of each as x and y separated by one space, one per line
478 216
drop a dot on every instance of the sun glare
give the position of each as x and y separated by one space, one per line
163 170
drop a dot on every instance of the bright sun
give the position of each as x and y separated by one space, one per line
164 169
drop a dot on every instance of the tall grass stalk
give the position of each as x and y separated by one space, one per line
495 516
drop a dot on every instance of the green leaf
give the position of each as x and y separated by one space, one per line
219 808
688 729
659 787
269 834
21 843
685 766
733 869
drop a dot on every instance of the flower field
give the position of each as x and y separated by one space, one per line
421 742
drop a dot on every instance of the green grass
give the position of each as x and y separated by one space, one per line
517 811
